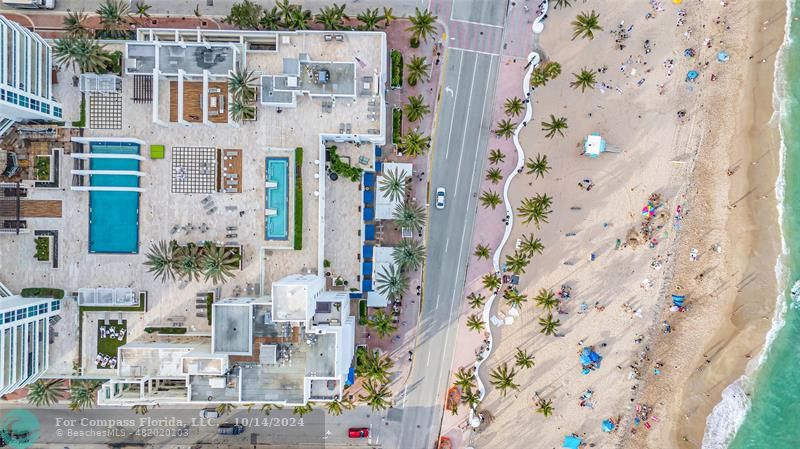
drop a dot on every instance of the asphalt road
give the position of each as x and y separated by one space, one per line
222 7
459 153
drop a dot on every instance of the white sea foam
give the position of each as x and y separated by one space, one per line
729 414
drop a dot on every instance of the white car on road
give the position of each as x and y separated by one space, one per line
440 194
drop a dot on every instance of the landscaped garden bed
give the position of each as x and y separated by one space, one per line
37 292
397 69
165 330
397 125
42 168
42 248
342 168
298 199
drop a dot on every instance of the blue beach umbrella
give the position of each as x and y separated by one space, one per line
572 442
723 56
692 75
608 426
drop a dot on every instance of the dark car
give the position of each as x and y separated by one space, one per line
358 432
230 429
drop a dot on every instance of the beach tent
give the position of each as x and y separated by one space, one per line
594 145
723 56
692 75
572 442
678 300
589 357
608 425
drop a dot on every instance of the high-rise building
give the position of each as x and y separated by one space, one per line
24 338
26 65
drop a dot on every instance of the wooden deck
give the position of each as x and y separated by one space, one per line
30 208
192 99
258 341
232 171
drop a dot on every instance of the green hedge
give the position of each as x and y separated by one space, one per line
42 249
397 69
342 168
42 166
362 313
209 301
82 122
165 330
397 125
42 292
298 199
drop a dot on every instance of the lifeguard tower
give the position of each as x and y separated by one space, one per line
594 144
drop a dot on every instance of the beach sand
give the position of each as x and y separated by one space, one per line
724 124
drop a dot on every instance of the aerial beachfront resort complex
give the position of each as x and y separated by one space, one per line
209 147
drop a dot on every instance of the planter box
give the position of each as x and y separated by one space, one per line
44 248
42 168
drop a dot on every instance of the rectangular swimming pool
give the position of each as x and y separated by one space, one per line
114 215
277 182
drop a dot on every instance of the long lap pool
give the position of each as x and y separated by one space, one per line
277 198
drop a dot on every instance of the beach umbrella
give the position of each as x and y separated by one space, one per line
677 2
572 442
608 425
689 52
692 75
723 56
678 300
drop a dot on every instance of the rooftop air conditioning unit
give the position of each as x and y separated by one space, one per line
291 81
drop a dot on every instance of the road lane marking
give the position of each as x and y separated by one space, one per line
476 23
446 244
475 51
437 300
405 395
464 134
429 358
455 103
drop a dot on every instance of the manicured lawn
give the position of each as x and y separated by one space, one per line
108 345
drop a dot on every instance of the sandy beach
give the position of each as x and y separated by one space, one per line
675 139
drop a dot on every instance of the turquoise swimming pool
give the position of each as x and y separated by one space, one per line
113 215
277 216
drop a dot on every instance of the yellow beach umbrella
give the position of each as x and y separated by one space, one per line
677 2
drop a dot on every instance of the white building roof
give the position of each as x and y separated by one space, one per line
383 205
381 260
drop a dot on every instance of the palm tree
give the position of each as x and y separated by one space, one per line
475 323
142 9
494 175
517 262
470 397
332 17
302 410
83 394
530 245
393 184
218 263
505 128
187 261
491 281
369 19
583 80
391 282
543 200
422 25
270 20
409 215
382 324
374 366
556 125
85 54
416 108
538 78
377 396
503 379
266 408
490 198
585 25
538 166
544 406
561 4
513 106
240 84
414 144
548 324
298 18
337 406
546 300
140 409
114 15
225 408
481 251
523 360
75 24
418 70
515 299
387 17
285 9
464 378
162 260
409 254
551 70
532 210
241 110
244 15
44 393
475 300
496 156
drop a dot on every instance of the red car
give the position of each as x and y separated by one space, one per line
358 432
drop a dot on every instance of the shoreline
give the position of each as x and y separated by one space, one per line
722 338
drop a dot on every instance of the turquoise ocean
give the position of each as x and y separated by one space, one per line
770 417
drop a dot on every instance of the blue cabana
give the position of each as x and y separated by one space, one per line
366 252
572 442
369 231
366 285
378 151
369 179
355 295
369 197
678 300
366 268
378 166
351 376
369 214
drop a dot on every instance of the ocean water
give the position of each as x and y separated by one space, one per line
770 417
